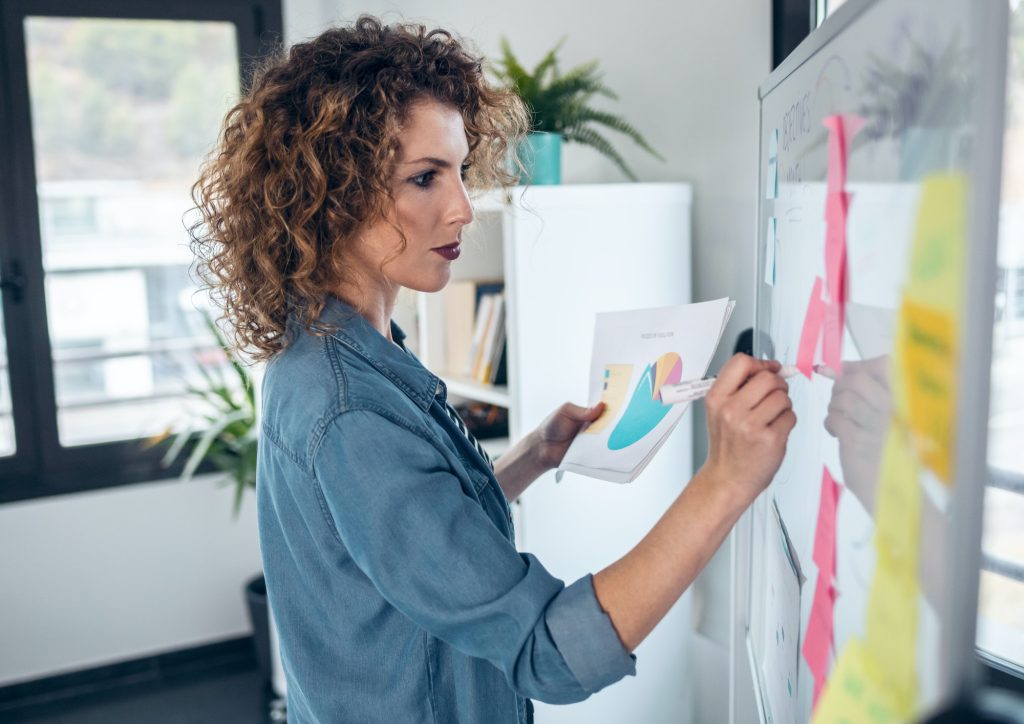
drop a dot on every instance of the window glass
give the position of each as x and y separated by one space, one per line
7 445
122 113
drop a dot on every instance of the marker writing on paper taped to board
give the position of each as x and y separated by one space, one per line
696 389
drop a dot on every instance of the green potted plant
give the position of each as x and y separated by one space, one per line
224 440
560 110
227 433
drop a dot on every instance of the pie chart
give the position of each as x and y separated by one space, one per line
645 409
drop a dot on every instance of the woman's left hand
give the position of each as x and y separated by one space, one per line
552 437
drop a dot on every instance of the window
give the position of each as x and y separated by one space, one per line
824 8
108 109
1001 602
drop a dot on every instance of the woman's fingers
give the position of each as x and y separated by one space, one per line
758 387
771 406
736 372
750 417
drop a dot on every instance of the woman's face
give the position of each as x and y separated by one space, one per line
430 205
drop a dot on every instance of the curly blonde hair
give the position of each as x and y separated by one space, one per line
305 158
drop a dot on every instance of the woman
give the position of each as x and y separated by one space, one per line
385 532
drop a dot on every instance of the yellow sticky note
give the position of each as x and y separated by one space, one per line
927 339
938 251
898 503
854 693
891 638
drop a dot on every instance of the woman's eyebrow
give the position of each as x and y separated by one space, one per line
439 162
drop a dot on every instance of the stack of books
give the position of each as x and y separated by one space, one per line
475 326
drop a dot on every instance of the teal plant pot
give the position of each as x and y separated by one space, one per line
541 154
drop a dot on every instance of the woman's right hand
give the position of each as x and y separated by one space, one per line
750 416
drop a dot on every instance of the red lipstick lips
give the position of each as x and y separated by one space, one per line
450 252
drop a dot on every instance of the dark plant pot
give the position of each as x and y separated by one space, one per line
256 597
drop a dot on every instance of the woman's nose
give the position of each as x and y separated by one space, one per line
461 207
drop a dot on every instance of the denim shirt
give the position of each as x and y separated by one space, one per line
389 555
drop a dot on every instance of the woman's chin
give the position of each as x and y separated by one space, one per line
430 285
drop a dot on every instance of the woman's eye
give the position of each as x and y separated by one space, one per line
424 179
464 170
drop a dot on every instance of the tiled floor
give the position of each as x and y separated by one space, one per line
232 698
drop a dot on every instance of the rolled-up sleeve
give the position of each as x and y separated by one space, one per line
434 555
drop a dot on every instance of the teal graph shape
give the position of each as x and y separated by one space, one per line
645 409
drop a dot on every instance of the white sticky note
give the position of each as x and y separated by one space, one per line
769 252
772 177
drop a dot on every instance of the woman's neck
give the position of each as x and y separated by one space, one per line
374 302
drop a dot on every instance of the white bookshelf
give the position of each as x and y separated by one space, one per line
482 260
471 389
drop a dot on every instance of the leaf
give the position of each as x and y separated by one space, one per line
558 103
243 376
618 124
237 507
548 63
590 137
512 72
204 443
179 443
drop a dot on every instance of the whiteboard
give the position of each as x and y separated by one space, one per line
856 571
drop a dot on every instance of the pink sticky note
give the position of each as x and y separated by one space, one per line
836 177
811 330
852 125
832 337
825 531
836 206
836 212
818 639
841 131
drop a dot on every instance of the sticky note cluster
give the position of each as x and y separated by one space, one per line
818 641
875 679
826 310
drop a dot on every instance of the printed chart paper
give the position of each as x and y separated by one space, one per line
635 354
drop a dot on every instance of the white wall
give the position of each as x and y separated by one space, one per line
687 76
93 578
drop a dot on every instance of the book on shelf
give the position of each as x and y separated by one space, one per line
481 319
493 340
469 361
459 310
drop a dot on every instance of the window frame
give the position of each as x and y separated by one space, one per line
792 21
40 465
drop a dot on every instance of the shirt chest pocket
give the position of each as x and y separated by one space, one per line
477 478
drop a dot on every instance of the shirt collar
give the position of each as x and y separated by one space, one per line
391 360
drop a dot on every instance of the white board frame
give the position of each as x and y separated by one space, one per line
957 613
